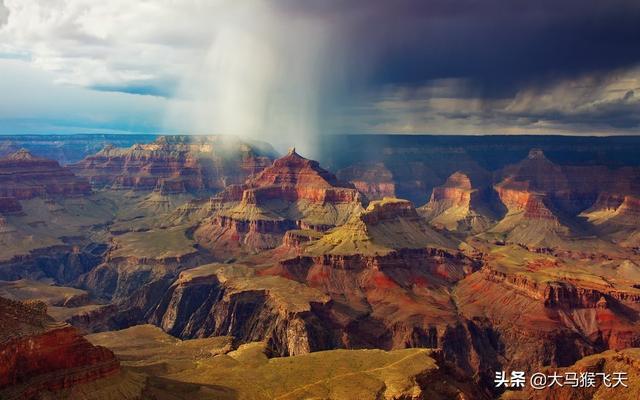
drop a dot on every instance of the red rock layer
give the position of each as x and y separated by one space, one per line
37 353
548 322
258 213
456 191
23 177
522 200
174 164
294 178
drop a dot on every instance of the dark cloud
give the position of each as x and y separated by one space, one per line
497 44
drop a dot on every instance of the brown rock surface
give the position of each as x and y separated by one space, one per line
293 193
24 176
175 164
551 311
457 205
37 353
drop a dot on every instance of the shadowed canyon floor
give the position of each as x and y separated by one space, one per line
212 269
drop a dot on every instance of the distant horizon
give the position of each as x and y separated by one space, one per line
331 134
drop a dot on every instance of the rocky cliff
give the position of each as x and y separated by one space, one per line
215 300
24 176
459 206
293 193
175 164
38 354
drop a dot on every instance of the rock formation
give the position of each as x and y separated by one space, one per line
38 354
387 273
293 193
214 368
540 197
176 164
457 205
550 311
215 300
24 176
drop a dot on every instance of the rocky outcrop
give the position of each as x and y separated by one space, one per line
458 206
216 300
364 373
175 164
24 176
544 321
37 353
387 274
293 193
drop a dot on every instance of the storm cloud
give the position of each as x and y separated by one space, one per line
410 66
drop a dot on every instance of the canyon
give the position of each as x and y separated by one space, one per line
420 267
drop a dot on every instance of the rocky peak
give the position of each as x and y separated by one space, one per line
457 205
293 169
458 180
385 226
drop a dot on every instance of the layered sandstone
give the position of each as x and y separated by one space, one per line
38 354
547 311
533 191
457 205
175 164
388 274
293 193
24 176
215 300
548 197
617 217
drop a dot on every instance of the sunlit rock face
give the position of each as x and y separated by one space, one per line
387 273
293 193
38 354
459 206
176 164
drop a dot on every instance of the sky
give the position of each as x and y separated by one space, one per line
290 69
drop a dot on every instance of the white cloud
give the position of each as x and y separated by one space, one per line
114 43
252 68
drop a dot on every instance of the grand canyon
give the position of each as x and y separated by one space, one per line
320 200
395 267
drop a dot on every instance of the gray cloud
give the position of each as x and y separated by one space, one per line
421 66
4 13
